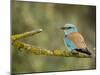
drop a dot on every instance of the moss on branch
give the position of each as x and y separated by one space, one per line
26 34
40 51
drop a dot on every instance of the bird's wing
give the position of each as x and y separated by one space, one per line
77 39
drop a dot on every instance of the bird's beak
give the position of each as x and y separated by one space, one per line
63 28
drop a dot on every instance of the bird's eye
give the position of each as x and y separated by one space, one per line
69 27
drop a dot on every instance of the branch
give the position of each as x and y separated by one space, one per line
40 51
26 34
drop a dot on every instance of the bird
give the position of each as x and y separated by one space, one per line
73 40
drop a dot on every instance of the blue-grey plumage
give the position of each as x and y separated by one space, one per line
73 40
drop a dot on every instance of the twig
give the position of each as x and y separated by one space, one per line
26 34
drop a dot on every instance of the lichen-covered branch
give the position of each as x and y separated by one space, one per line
40 51
26 34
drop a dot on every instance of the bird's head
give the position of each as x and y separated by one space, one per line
69 28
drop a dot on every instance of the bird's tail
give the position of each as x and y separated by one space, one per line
84 51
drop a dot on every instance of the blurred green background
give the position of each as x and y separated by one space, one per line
27 16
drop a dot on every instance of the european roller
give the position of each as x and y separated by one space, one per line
73 40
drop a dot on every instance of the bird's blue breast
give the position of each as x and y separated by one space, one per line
69 43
